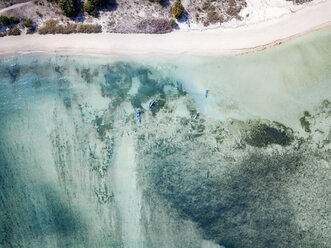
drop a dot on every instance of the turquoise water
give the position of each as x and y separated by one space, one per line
78 170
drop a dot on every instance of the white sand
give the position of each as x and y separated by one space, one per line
209 42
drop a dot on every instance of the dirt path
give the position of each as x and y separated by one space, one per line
15 6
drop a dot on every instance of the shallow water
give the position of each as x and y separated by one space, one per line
78 170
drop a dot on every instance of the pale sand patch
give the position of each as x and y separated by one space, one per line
126 194
210 42
210 244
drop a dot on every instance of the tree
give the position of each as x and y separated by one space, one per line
68 7
91 5
178 9
5 20
13 20
90 8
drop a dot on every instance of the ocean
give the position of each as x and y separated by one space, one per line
252 170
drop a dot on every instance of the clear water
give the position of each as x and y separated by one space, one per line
78 170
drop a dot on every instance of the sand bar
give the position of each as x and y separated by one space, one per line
220 41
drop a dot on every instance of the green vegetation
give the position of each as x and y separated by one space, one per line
14 31
68 7
4 20
8 20
178 9
38 13
90 8
89 28
27 23
91 5
204 5
13 20
172 22
52 27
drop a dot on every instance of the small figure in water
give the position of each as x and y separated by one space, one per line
177 85
138 115
207 174
206 93
151 104
196 115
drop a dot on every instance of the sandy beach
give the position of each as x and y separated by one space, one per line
221 41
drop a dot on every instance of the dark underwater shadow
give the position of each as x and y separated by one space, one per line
32 213
245 205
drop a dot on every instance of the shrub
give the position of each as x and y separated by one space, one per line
52 27
90 8
68 29
13 20
154 26
90 5
89 28
49 27
172 22
68 7
5 20
213 17
27 23
14 31
204 5
31 30
178 9
111 23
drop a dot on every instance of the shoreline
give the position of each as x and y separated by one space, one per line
216 42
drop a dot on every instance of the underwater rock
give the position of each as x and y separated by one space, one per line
262 135
13 71
304 122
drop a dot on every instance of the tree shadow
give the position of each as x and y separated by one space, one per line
245 206
110 5
165 3
184 18
80 18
